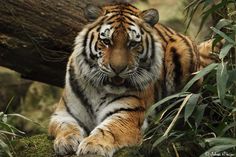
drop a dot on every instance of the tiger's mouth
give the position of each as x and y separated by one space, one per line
117 81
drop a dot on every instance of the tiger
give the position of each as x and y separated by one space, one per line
123 61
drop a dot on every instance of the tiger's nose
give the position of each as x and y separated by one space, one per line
118 68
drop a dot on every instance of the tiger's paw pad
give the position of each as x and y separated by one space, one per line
64 145
96 147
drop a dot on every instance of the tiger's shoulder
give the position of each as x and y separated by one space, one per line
182 58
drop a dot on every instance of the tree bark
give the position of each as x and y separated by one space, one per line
37 36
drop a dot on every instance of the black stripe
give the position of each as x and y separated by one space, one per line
96 46
164 48
129 18
111 18
163 84
166 32
100 105
178 69
81 124
108 131
147 49
161 35
167 29
153 47
119 12
86 35
113 135
123 96
128 12
93 57
136 109
129 23
197 57
129 9
191 51
79 92
101 131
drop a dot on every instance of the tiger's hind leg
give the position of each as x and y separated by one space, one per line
120 127
66 130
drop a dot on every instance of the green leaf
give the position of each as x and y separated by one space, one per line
190 106
166 99
226 128
25 118
221 141
186 99
217 149
222 34
199 75
224 51
159 140
5 148
232 76
191 9
208 12
222 78
160 114
222 23
198 114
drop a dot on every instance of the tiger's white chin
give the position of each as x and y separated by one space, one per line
115 90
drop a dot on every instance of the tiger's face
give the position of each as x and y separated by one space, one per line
120 46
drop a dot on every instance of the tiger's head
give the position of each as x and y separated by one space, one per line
118 49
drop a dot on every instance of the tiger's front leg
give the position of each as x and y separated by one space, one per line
119 128
66 131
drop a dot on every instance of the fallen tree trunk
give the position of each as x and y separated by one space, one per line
36 37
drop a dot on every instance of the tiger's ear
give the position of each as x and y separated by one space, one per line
150 16
92 12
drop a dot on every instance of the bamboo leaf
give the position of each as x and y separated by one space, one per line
224 51
166 99
199 114
222 23
159 140
160 114
5 148
208 12
190 106
217 149
23 117
222 34
221 141
228 126
199 75
222 78
177 115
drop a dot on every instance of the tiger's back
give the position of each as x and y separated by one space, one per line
180 60
123 61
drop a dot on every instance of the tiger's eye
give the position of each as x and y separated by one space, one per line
133 44
106 41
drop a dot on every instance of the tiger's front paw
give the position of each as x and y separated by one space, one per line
67 144
96 146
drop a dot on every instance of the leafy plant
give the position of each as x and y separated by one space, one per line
204 123
8 132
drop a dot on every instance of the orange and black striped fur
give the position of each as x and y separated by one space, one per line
123 61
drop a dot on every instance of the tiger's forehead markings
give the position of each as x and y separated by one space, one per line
134 33
106 31
121 9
